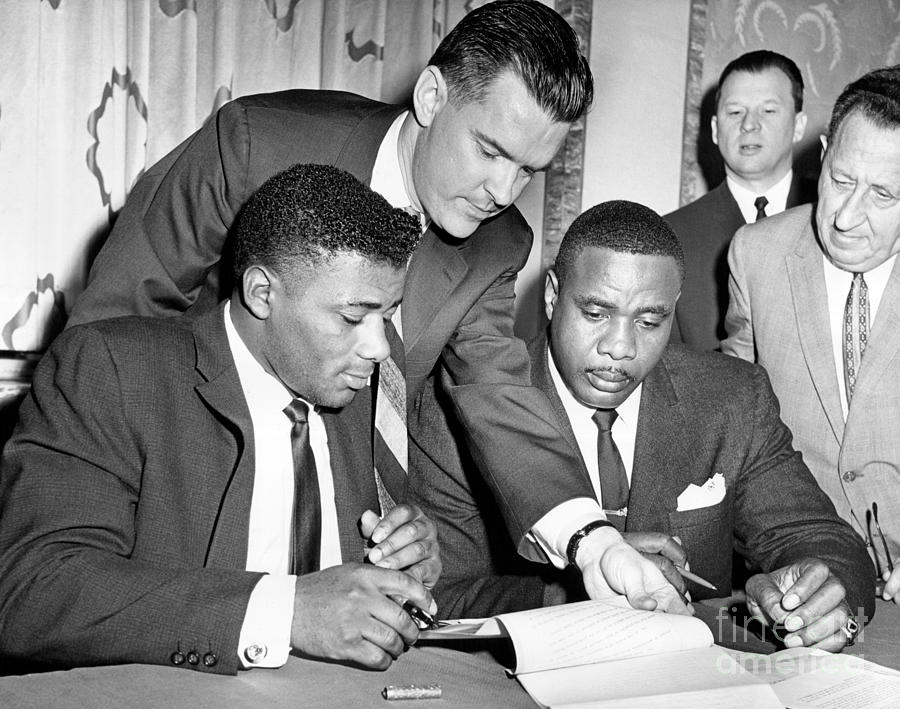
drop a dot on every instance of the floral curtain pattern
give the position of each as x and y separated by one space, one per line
94 93
833 42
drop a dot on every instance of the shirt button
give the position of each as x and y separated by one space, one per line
255 653
177 658
193 657
849 476
210 660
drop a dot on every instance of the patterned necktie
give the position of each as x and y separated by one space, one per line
855 331
760 204
613 479
306 517
390 441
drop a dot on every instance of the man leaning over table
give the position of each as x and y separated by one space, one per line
815 299
704 465
489 111
149 510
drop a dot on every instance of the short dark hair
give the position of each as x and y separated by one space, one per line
525 37
875 95
622 226
759 61
308 213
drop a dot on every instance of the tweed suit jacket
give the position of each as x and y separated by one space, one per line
463 361
125 497
705 228
700 414
778 317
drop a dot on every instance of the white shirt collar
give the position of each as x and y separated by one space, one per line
777 195
387 177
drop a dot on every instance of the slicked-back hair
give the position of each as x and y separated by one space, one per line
527 38
875 95
622 226
760 61
308 214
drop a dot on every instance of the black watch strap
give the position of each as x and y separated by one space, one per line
572 546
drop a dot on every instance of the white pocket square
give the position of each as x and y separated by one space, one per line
710 493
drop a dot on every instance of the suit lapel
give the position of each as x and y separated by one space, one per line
541 379
361 148
227 487
434 270
807 282
661 456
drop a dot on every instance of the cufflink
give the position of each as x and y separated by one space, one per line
254 653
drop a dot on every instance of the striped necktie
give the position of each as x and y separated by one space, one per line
390 442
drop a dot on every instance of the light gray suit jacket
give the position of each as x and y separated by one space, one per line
778 316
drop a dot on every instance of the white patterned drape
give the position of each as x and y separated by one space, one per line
93 92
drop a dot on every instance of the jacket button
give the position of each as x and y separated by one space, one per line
210 660
177 658
849 476
193 657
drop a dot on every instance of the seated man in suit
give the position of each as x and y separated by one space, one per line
675 443
759 118
149 510
815 299
489 111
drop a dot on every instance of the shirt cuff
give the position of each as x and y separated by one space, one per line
553 531
265 639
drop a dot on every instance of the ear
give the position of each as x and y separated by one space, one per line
429 95
551 293
256 291
799 126
714 129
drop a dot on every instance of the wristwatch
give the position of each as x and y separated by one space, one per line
572 546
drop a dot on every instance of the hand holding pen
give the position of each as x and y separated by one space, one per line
667 553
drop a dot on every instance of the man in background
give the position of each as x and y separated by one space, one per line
815 299
685 450
759 117
187 492
489 111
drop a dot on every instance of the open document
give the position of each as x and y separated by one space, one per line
607 654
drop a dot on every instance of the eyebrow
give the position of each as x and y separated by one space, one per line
586 300
370 304
503 152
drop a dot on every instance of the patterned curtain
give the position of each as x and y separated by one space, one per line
93 93
832 41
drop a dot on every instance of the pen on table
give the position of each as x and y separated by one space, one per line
696 579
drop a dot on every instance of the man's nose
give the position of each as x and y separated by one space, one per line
852 211
501 184
618 342
750 122
373 343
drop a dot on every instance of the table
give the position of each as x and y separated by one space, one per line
468 679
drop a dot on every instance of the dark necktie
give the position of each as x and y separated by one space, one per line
613 479
760 204
306 517
855 331
390 444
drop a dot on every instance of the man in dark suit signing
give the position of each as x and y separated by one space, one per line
674 443
187 492
759 118
490 110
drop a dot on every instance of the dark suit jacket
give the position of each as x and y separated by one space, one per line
700 414
125 497
705 228
461 355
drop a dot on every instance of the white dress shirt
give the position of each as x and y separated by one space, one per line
837 286
777 195
267 623
554 530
